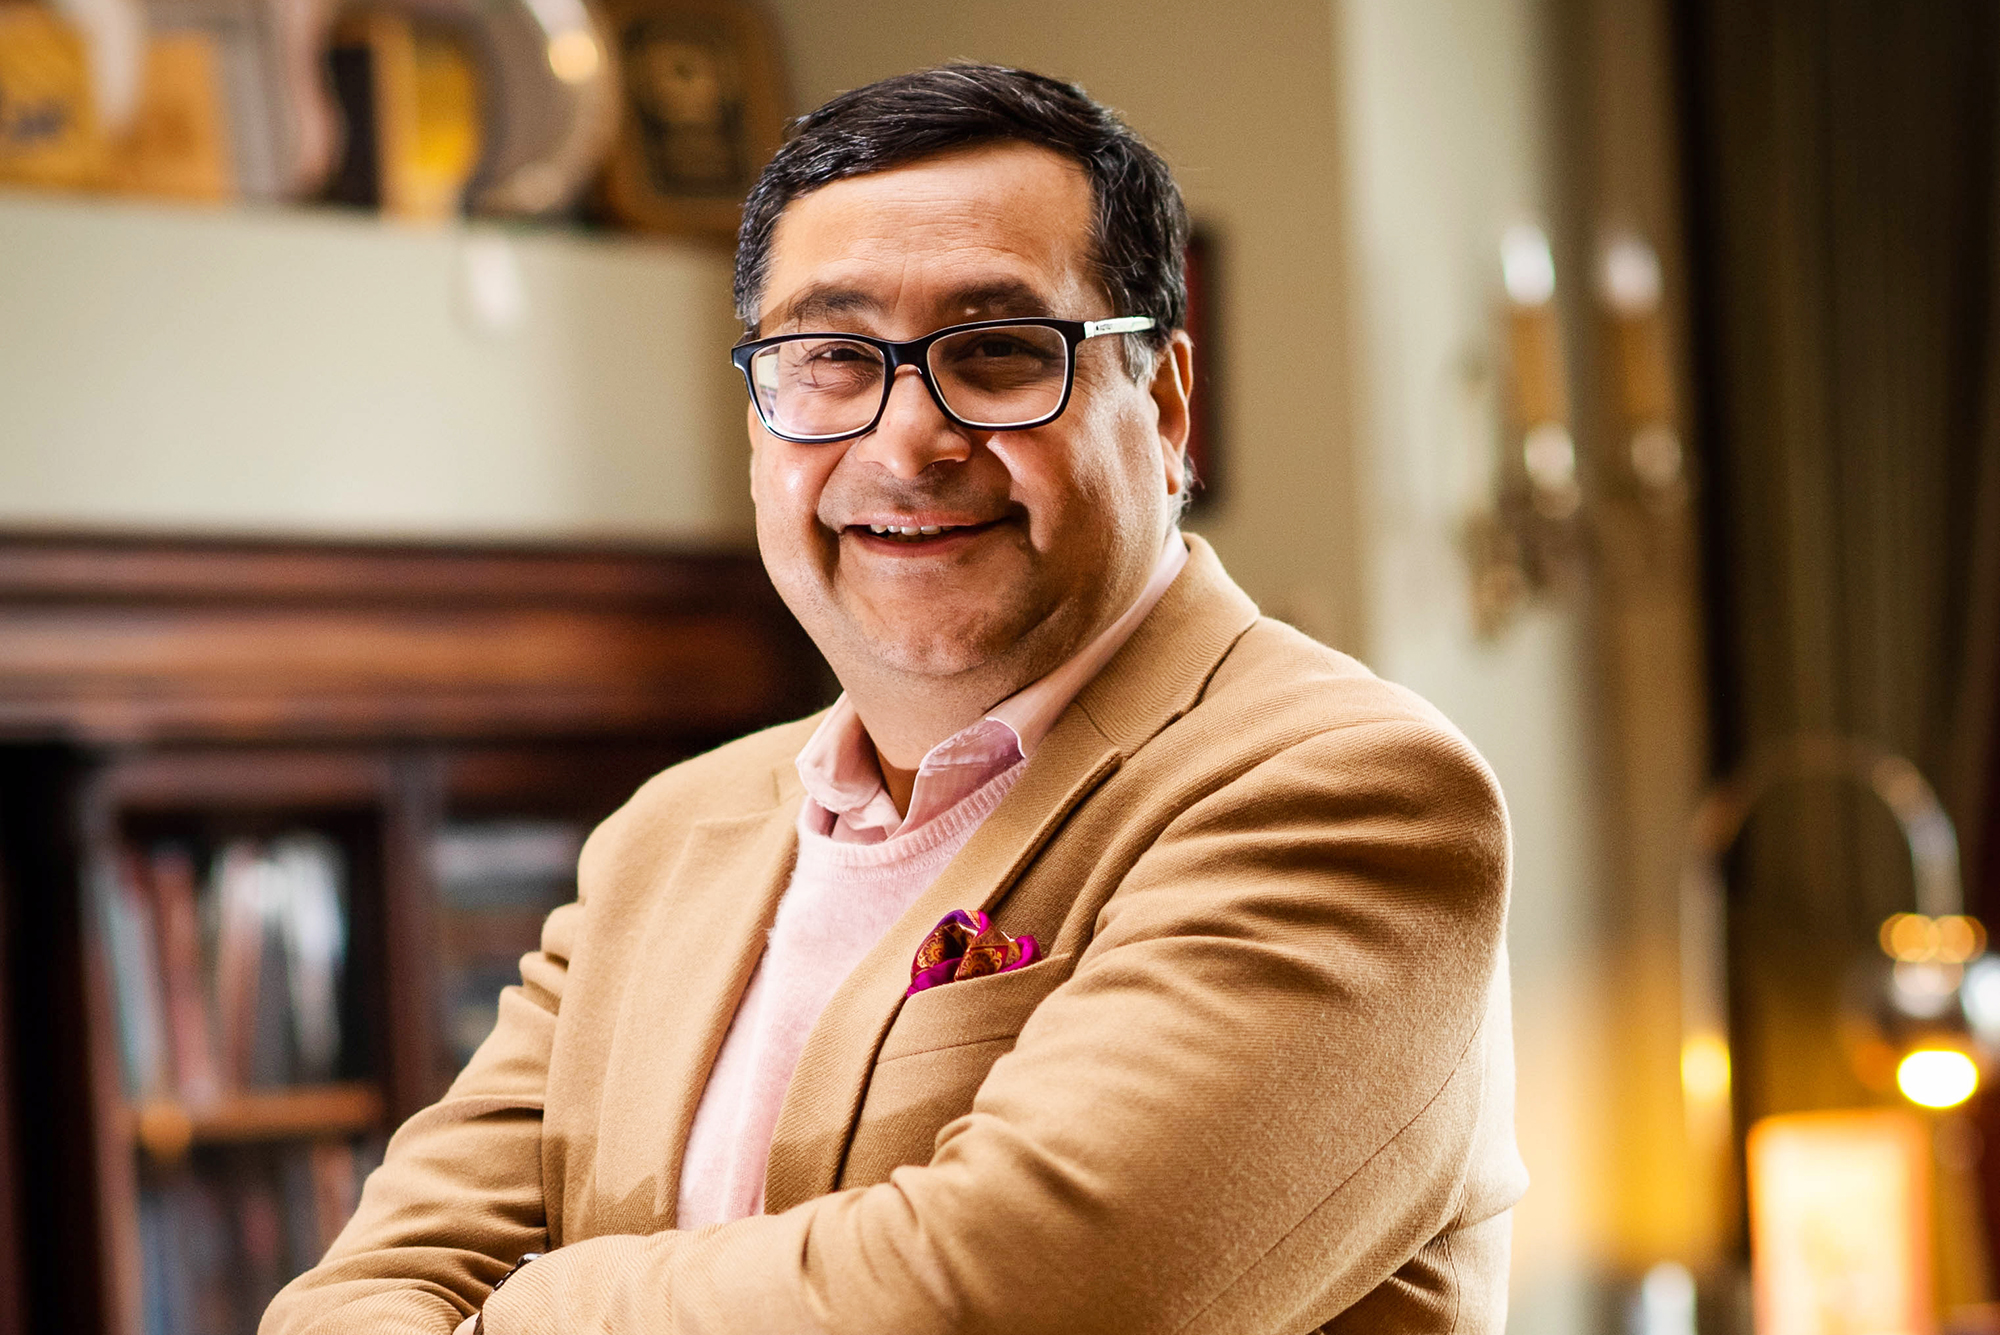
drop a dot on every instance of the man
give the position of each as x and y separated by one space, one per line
1108 958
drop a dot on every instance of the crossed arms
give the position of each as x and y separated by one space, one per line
1269 1081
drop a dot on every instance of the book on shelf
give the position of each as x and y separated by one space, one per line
170 875
227 982
497 880
125 924
217 1244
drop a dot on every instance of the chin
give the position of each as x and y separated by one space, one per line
932 654
922 644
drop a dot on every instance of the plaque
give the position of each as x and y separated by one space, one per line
705 110
178 144
48 123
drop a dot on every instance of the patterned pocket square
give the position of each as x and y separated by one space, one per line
967 945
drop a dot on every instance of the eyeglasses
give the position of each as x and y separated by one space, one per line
994 375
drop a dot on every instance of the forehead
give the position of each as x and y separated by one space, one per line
951 234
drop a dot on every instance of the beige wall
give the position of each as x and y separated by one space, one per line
1445 106
293 371
1240 100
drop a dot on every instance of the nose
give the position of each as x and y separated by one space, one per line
912 434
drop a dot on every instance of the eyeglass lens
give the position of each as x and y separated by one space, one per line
1000 377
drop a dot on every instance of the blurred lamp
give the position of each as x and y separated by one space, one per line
1937 1077
1922 1015
1840 1223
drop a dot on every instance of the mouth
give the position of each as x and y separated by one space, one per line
917 534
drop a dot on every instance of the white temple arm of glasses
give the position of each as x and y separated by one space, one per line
1124 324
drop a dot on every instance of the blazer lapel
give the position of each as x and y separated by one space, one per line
824 1098
722 893
1158 675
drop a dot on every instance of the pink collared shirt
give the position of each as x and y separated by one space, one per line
860 864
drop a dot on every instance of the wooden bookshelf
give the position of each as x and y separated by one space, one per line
167 1129
208 695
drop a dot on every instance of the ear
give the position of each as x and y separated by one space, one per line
1172 392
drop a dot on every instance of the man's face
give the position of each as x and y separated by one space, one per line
1044 535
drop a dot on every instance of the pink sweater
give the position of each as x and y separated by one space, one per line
860 865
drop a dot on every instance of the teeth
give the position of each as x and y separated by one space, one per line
927 528
908 530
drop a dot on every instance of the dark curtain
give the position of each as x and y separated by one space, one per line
1841 161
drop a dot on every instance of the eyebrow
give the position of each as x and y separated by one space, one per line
989 300
820 301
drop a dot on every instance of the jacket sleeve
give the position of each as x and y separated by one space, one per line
460 1197
1253 1100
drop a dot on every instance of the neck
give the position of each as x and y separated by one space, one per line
900 783
907 714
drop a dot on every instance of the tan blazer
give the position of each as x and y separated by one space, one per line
1262 1083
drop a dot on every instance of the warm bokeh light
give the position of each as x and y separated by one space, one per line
1937 1077
1705 1070
1527 265
1913 938
1960 938
574 56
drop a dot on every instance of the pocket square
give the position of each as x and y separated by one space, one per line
967 945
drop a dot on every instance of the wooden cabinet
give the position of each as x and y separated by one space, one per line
425 733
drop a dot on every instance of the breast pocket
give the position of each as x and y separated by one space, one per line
934 1059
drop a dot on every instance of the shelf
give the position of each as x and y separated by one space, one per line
166 1129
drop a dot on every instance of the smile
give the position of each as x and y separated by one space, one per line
915 534
909 531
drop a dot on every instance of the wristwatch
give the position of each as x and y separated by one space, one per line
479 1324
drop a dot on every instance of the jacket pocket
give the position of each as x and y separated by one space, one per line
978 1010
933 1061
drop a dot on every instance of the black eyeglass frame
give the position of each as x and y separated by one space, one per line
916 352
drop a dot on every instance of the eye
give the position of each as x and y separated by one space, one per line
992 346
841 352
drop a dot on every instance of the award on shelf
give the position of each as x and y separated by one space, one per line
519 95
48 123
409 96
178 143
114 38
553 98
705 110
275 128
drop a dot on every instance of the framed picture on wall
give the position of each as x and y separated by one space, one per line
705 106
1204 447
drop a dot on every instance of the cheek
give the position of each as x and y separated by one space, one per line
1085 473
786 481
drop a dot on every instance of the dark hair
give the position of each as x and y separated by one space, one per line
1140 226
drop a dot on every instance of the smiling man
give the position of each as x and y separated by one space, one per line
1107 958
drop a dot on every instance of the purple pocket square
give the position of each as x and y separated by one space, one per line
967 945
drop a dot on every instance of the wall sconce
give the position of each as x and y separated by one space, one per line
1648 460
1527 541
1534 533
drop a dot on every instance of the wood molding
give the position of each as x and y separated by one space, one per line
167 640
